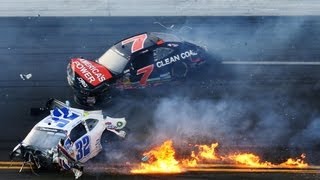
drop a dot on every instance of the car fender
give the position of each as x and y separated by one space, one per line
115 123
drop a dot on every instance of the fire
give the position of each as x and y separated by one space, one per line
205 153
299 162
192 162
250 160
254 161
161 160
208 152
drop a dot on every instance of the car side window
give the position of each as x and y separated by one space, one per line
143 59
77 132
91 123
161 52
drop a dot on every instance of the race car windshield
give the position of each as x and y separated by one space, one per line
113 61
43 139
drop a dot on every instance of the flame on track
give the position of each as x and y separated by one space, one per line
204 153
293 163
254 161
161 159
250 160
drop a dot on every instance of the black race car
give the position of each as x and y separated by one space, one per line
146 59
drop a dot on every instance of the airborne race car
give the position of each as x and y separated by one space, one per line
147 59
66 139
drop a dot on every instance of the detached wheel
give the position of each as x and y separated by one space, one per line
179 70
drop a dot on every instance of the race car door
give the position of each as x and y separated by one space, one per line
142 68
85 140
80 142
162 61
95 129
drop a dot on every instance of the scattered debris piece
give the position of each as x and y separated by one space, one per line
25 76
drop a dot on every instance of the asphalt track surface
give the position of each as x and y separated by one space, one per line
42 46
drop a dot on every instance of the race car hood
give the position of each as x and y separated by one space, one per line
89 72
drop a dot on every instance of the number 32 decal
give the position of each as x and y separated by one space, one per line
83 147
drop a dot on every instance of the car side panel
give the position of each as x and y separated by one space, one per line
94 136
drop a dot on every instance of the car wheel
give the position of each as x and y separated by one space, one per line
179 70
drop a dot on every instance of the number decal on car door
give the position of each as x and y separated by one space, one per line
146 71
83 147
137 42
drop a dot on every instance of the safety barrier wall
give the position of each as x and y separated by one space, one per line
158 7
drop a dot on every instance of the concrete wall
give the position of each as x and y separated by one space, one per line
158 7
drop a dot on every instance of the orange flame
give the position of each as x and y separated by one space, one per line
205 152
161 160
293 163
250 159
192 162
208 152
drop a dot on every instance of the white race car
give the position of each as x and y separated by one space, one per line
67 138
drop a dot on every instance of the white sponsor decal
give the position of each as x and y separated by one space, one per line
84 66
175 58
82 82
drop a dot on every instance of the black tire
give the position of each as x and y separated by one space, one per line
179 70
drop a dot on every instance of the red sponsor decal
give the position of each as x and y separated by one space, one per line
92 72
137 42
146 71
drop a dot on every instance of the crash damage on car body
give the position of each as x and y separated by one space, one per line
66 139
140 61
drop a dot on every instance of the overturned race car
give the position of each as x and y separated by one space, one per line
66 139
146 59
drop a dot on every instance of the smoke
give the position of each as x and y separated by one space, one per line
308 136
237 106
229 121
251 123
247 38
251 112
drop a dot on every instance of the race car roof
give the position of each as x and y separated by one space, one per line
138 42
62 119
